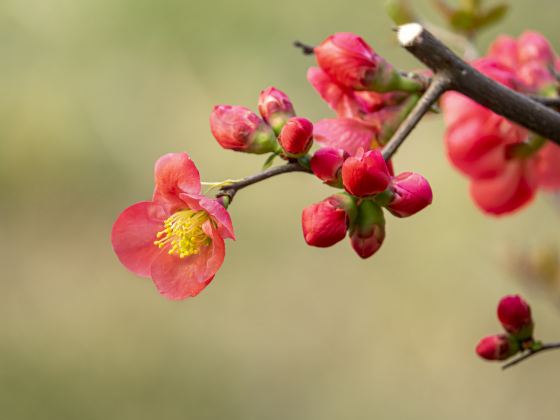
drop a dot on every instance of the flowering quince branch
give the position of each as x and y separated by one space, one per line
514 314
228 191
439 84
472 83
177 238
531 352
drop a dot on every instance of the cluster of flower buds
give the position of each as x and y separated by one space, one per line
515 316
505 163
369 185
277 130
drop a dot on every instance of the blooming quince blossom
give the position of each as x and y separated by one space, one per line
505 163
177 238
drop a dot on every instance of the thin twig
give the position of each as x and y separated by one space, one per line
305 48
530 353
440 83
230 190
470 82
550 102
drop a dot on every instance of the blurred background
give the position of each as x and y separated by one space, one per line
94 91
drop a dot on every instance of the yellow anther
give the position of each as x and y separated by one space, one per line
183 234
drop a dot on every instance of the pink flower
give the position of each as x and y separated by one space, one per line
326 164
296 136
325 223
533 46
275 107
347 59
368 232
238 128
515 315
505 163
411 193
177 238
497 347
352 63
365 173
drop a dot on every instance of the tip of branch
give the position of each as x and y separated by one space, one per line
408 33
305 49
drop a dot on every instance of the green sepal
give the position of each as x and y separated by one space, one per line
348 203
525 333
269 161
369 215
384 198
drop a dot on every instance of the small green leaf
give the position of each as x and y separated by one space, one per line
463 20
400 11
492 15
269 161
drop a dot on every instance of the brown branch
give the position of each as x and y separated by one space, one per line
440 83
549 102
229 191
530 353
470 82
305 48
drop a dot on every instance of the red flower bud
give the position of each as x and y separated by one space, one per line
365 174
351 62
326 164
515 315
296 136
497 347
275 107
532 46
238 128
368 232
411 193
325 223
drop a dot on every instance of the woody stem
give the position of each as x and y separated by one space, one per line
530 353
227 192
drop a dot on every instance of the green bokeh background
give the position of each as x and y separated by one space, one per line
92 92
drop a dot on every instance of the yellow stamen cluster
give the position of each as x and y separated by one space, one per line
183 233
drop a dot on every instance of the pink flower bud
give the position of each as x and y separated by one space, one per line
515 315
352 63
365 174
411 193
275 107
325 223
532 46
497 347
296 136
368 232
238 128
326 164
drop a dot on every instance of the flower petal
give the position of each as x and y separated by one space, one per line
134 233
175 173
548 166
178 278
341 100
506 193
344 133
217 212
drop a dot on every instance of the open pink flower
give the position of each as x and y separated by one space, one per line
177 238
505 163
